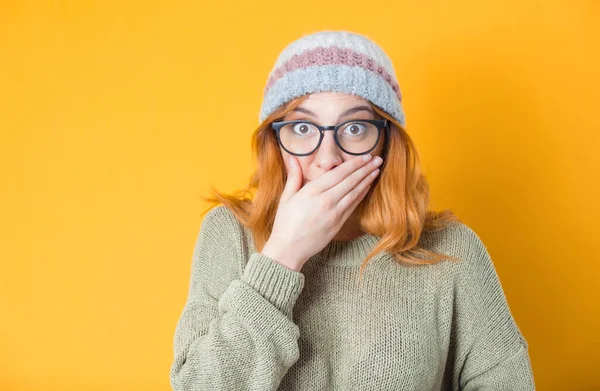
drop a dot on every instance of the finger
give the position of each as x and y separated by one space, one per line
346 214
355 203
337 192
338 174
294 179
347 204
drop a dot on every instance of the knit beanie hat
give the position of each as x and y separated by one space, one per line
336 61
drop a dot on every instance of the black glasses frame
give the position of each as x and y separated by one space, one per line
380 123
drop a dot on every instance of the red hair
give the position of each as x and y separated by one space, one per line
395 208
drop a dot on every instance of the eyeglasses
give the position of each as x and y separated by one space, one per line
355 137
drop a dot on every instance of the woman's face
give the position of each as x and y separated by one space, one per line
328 108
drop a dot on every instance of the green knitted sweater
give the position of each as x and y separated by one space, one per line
250 323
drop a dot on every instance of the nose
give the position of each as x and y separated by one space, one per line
328 155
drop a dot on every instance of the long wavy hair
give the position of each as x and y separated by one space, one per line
394 209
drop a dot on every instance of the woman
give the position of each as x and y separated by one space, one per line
273 301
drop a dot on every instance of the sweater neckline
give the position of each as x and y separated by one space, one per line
346 252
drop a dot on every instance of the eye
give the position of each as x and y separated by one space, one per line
303 128
354 128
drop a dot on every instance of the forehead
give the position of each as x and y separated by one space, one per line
332 106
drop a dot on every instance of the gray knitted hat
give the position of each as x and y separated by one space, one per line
337 61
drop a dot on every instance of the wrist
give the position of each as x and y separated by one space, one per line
274 252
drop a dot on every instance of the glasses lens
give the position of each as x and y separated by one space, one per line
354 137
300 137
357 136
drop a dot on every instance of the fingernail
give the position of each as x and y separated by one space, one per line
367 157
377 161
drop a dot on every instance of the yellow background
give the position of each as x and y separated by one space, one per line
117 116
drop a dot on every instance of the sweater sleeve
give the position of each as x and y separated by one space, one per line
236 330
493 354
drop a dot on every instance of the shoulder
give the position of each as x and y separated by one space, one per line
460 241
219 248
220 215
456 239
475 273
221 222
474 253
221 226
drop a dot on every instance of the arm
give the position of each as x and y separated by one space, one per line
236 329
493 354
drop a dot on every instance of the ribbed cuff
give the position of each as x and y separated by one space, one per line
274 281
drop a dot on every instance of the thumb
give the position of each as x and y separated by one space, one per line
294 179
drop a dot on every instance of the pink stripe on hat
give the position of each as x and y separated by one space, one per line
332 55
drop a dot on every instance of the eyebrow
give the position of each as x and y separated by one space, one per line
344 114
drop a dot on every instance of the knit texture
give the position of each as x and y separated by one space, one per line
250 323
338 61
